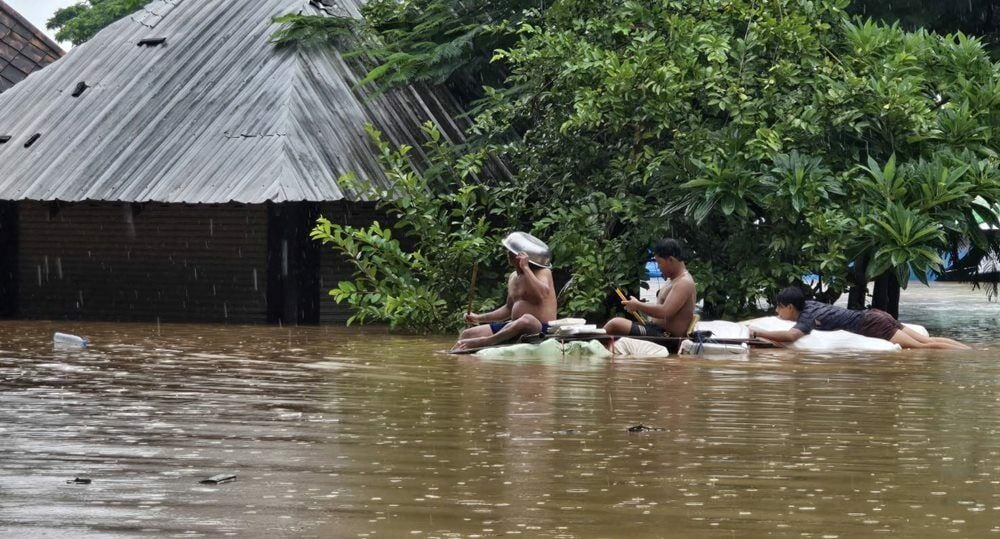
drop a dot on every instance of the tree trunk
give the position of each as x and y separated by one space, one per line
894 298
880 294
859 288
885 296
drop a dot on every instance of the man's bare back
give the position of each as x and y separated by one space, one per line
681 289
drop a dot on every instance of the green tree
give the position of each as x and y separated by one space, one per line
744 127
443 42
82 21
973 17
778 138
414 275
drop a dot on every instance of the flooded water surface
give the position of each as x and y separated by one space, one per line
336 432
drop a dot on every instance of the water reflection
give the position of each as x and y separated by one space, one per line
337 433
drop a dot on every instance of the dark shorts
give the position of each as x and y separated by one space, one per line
878 324
497 326
647 330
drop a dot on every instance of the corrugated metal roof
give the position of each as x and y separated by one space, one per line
214 114
23 48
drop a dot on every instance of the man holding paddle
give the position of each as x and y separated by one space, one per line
531 297
673 311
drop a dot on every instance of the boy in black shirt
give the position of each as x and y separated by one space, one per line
809 315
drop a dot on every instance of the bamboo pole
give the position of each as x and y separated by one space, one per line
472 287
638 316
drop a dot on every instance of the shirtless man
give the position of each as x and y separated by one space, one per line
531 297
674 308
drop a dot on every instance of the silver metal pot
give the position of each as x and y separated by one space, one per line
522 242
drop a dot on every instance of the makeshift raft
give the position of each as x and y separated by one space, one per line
700 345
711 338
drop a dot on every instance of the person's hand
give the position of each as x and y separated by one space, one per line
522 262
631 304
752 332
471 319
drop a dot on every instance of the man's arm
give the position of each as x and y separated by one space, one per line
787 335
672 304
496 315
537 287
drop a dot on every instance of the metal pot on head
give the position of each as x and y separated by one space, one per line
522 242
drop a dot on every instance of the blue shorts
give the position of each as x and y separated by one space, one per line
497 326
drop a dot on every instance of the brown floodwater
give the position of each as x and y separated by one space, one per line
337 432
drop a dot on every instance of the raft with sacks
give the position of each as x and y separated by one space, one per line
716 339
605 347
573 337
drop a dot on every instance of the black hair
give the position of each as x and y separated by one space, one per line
792 296
667 247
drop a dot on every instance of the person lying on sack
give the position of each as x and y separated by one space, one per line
791 305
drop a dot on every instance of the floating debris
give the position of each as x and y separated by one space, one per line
66 340
218 479
643 428
79 481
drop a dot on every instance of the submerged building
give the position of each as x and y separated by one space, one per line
171 169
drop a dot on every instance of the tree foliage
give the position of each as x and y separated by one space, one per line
974 17
82 21
778 138
415 274
745 128
442 42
